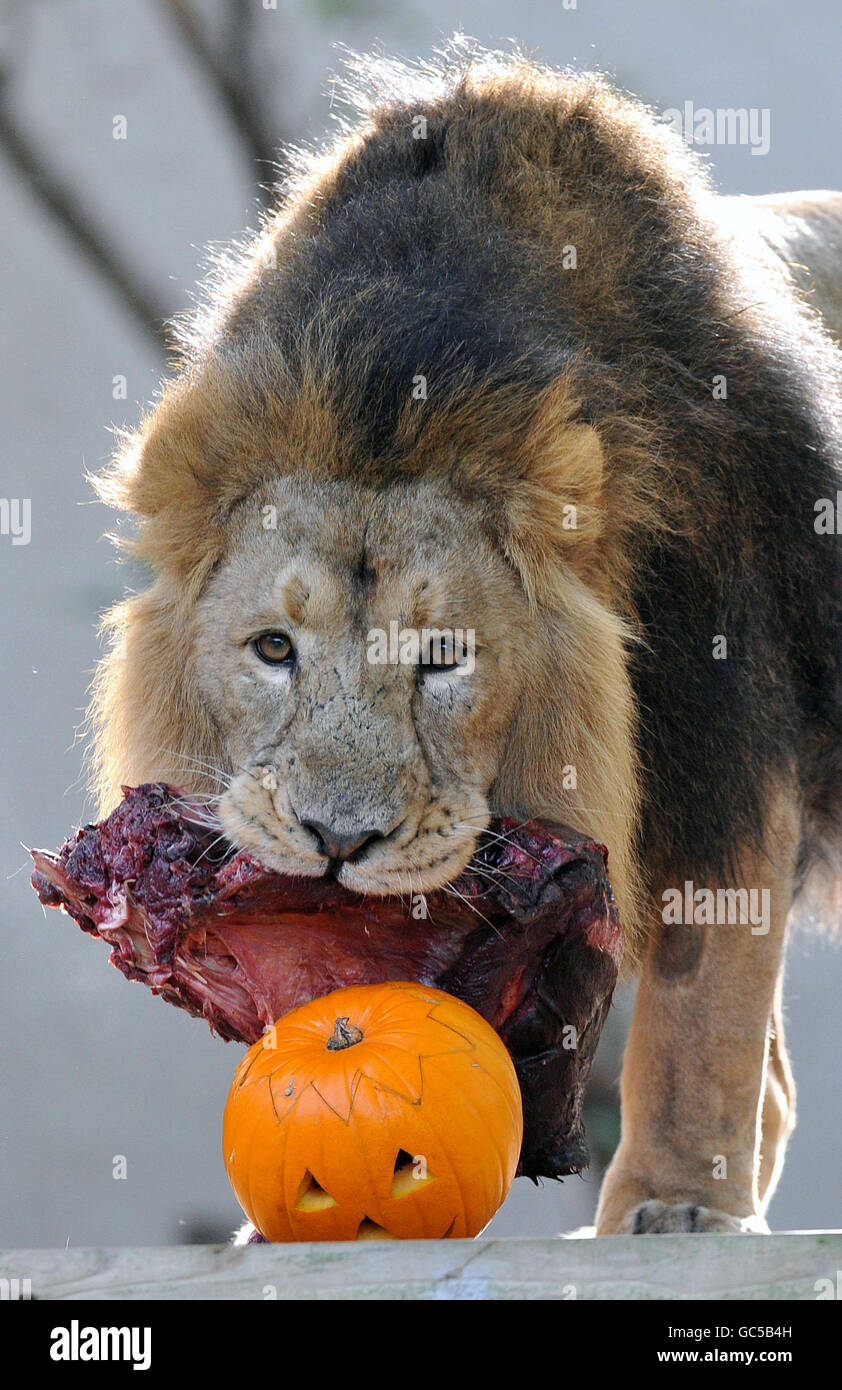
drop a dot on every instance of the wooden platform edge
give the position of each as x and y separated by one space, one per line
793 1266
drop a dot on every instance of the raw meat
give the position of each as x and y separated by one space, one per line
529 935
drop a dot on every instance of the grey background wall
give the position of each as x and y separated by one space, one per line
91 1066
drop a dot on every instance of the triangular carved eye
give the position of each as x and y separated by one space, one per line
369 1230
410 1174
312 1196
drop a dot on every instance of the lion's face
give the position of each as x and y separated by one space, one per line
340 761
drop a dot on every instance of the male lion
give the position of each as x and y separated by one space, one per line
501 362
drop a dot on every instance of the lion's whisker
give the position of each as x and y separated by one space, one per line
495 837
488 871
220 839
455 893
188 762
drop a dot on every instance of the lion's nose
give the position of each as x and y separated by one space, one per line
338 846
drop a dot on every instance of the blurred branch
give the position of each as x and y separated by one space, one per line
30 163
232 74
230 70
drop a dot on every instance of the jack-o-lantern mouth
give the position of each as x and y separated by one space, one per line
529 935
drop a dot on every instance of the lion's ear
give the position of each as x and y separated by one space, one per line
552 507
174 474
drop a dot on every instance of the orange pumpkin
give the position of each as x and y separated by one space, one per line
377 1112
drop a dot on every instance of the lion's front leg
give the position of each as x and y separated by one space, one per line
697 1062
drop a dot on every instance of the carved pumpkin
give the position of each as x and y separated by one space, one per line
376 1112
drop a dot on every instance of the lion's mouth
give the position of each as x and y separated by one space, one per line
428 848
528 935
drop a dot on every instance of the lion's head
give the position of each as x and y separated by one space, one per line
269 667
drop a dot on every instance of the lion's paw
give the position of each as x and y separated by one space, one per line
248 1235
659 1218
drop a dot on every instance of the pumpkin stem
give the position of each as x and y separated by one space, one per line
345 1034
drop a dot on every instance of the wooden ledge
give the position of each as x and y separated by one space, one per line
776 1267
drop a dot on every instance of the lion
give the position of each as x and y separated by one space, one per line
499 361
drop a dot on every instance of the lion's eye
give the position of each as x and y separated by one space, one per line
443 654
274 648
437 662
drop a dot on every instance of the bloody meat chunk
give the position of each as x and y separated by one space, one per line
529 936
